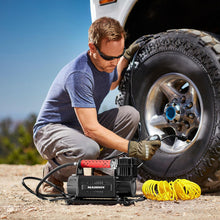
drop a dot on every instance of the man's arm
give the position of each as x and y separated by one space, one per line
93 129
123 63
127 57
143 150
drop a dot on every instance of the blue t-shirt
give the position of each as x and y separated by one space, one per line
78 84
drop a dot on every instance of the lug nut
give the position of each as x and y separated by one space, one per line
191 115
179 128
190 105
183 99
187 125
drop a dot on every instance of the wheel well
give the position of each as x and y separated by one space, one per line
154 16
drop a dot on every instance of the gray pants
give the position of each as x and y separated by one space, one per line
60 144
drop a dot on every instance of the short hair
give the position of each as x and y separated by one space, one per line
105 27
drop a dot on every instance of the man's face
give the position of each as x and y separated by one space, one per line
107 50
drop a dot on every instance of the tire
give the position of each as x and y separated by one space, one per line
174 82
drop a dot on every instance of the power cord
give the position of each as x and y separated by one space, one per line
61 196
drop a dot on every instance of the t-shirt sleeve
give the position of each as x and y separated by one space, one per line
80 89
115 77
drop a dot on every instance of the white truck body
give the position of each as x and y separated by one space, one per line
118 10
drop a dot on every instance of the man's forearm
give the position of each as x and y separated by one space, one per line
122 64
107 138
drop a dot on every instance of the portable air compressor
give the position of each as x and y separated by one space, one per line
122 184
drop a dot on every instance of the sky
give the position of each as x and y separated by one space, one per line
37 38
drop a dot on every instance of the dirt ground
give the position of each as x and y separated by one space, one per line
17 203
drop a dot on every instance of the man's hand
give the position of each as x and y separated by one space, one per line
132 49
143 150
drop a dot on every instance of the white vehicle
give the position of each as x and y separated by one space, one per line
174 82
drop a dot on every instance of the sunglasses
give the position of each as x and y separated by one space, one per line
105 57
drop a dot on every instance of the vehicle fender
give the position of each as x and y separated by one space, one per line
118 10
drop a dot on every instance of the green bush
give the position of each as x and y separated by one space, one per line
16 142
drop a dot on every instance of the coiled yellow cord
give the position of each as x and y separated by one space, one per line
173 190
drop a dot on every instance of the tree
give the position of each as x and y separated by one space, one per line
16 142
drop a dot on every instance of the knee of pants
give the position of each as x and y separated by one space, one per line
86 150
131 114
91 150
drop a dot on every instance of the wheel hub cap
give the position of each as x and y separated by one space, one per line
172 112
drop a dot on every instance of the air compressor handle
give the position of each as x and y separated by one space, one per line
95 163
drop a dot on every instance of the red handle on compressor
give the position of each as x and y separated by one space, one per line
95 163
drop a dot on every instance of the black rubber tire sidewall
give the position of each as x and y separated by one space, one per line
169 60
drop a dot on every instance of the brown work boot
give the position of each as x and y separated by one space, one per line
47 188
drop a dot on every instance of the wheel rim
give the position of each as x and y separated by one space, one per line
174 107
